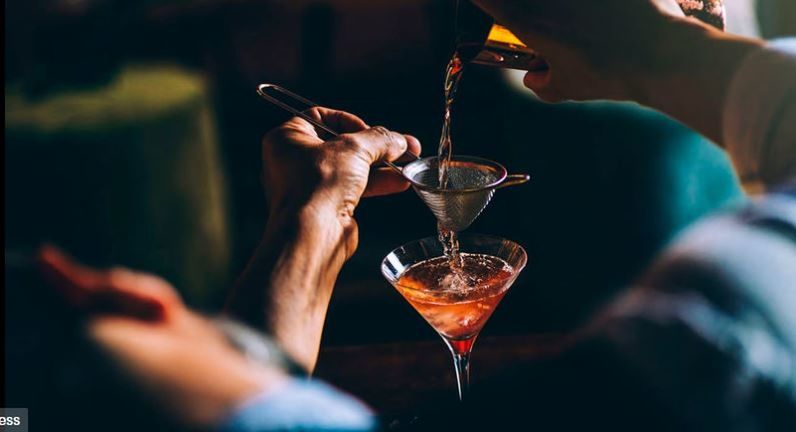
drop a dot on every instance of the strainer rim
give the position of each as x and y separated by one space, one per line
501 178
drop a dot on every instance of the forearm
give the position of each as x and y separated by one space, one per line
690 74
737 91
286 287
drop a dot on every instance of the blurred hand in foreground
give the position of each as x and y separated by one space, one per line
173 354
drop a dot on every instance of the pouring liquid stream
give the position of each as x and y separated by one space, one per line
453 74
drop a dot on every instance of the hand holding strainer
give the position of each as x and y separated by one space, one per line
471 184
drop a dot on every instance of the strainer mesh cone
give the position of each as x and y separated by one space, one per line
471 184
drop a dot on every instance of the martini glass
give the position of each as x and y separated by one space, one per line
456 300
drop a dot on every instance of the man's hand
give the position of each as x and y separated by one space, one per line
640 50
172 353
594 49
313 187
301 170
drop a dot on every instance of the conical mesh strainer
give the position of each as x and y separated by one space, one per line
472 181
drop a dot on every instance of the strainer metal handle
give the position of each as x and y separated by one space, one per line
514 180
270 92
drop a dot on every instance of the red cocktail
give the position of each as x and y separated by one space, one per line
456 297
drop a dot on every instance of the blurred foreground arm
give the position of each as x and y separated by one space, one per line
760 114
170 352
205 374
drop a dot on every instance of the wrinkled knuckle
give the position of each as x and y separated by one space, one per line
385 133
382 130
400 141
395 141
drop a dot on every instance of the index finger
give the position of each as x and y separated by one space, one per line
376 144
338 121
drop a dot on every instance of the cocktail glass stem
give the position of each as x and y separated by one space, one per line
461 350
462 364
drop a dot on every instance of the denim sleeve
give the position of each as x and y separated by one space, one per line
301 405
711 327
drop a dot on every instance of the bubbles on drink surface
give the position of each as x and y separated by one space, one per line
457 300
477 275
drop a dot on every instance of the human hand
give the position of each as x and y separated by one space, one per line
639 50
301 170
313 187
594 50
173 354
